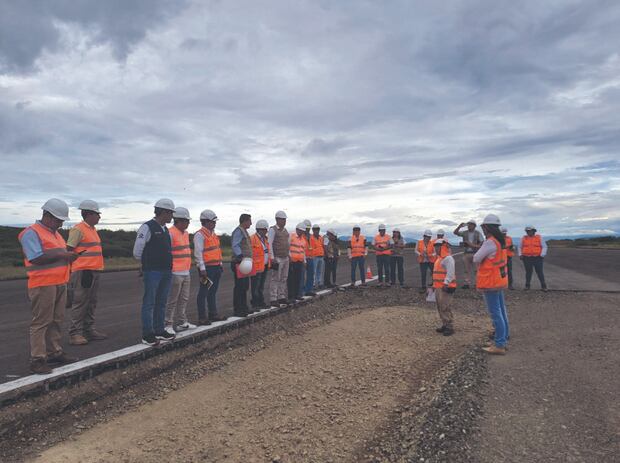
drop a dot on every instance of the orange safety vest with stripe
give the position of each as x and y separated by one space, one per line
444 250
212 252
55 273
509 251
181 252
439 275
91 257
316 245
430 251
358 245
531 246
297 249
492 272
381 244
258 253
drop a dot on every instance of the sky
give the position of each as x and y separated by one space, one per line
414 114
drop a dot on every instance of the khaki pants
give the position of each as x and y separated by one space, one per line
84 303
48 311
443 307
278 280
177 300
468 260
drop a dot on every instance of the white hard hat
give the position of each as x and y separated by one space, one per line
332 231
301 226
307 223
89 205
356 226
530 227
396 230
208 214
440 241
471 221
428 233
181 213
281 215
262 224
441 232
57 207
491 219
503 229
165 203
382 226
245 266
315 226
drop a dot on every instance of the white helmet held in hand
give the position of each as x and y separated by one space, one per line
165 203
208 214
491 219
245 267
262 224
89 205
181 213
281 215
57 207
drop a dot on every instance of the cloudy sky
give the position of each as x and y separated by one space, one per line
415 114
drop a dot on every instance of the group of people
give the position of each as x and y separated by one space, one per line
66 274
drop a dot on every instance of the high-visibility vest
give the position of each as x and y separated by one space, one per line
381 243
181 252
444 250
297 250
259 249
212 252
316 245
91 257
55 273
492 272
531 246
358 245
509 252
439 275
430 250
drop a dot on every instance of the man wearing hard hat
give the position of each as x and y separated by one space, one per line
444 284
332 252
153 248
279 240
532 252
383 251
298 247
85 272
47 263
472 240
357 250
176 308
317 243
307 271
242 250
260 258
426 257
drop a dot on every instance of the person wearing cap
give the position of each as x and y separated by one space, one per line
241 249
208 257
444 284
260 264
426 257
397 258
307 272
491 280
85 273
297 254
153 248
332 252
510 252
357 250
532 252
47 263
317 245
279 240
472 240
445 249
176 308
383 250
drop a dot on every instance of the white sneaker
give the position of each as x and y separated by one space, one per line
169 329
185 326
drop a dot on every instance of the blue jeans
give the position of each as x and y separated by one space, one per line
358 262
156 289
497 309
309 275
319 266
214 273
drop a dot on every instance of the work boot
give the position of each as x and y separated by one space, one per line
78 340
40 367
204 322
217 318
94 335
441 329
274 303
527 288
544 288
494 350
62 359
283 301
448 332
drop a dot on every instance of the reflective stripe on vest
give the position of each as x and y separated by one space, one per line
439 275
297 249
316 245
384 241
492 272
91 257
54 273
357 245
181 254
430 251
531 246
259 249
212 252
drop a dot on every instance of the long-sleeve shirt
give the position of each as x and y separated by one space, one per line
143 236
486 251
448 264
271 235
543 251
199 247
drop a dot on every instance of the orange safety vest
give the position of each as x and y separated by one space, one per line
316 245
258 253
439 275
297 250
430 250
444 250
55 273
531 246
92 257
212 252
492 272
509 251
357 245
381 243
181 253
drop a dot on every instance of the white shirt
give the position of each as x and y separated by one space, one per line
543 244
486 251
199 247
448 264
143 236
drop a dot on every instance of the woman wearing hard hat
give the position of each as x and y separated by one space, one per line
492 279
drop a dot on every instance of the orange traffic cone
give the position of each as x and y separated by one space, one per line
368 272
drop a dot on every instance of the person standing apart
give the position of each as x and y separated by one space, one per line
278 238
317 245
242 249
491 280
472 240
297 252
357 251
181 264
332 252
532 252
510 252
153 248
445 249
260 264
47 263
85 273
397 258
383 250
426 257
208 257
444 284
